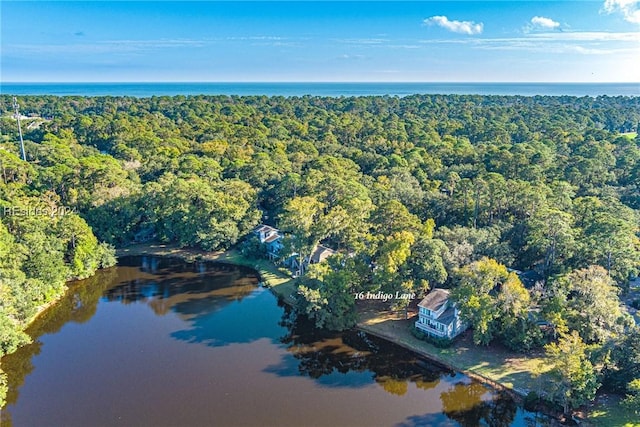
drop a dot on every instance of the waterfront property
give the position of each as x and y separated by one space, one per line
272 239
219 318
438 316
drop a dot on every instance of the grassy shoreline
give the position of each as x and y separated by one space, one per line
485 364
495 366
274 278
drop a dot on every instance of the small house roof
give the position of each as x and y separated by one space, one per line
435 299
320 253
272 237
264 228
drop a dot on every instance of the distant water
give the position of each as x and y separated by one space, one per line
143 90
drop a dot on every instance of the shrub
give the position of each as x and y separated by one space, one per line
436 341
252 248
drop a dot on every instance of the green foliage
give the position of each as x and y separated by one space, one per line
327 297
632 400
440 342
3 388
10 336
625 361
593 307
252 248
607 237
418 191
193 212
551 237
576 381
42 245
477 307
495 304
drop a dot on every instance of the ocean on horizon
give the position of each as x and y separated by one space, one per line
145 89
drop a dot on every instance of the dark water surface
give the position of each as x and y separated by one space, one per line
157 342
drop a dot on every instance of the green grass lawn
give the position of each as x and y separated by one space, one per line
279 280
494 363
610 412
630 135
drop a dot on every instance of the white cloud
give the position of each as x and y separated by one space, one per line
628 8
541 21
462 27
584 43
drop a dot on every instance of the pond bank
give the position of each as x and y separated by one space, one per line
514 373
278 281
499 368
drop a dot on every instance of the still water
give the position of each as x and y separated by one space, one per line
157 342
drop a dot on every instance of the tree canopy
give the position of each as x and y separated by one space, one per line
457 191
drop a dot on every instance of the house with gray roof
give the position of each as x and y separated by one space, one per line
271 238
320 253
438 315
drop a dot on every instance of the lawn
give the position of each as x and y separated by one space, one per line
630 135
278 279
607 411
492 364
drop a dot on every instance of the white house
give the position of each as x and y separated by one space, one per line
438 316
272 239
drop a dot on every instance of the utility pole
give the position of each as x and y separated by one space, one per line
17 108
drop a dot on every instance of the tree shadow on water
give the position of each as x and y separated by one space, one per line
349 359
473 404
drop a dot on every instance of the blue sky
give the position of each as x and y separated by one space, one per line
424 41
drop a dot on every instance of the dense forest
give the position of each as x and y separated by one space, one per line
416 192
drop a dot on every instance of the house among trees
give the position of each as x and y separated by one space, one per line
272 238
438 316
320 253
529 278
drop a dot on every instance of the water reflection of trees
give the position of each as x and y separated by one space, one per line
164 284
188 289
319 354
464 403
78 305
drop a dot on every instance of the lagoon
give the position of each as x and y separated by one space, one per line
159 341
